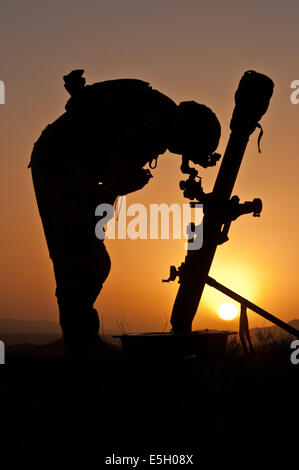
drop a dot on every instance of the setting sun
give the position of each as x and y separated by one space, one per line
227 311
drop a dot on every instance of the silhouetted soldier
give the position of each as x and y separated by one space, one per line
109 132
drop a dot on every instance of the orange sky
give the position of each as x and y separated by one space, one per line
187 51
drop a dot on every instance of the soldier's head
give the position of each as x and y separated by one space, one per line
197 134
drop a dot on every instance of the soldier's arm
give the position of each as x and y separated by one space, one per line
121 179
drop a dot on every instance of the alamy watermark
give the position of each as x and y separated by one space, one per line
2 352
2 92
295 354
294 97
153 224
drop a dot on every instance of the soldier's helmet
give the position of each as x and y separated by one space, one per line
200 133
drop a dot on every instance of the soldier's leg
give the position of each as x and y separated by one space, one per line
78 319
81 262
80 278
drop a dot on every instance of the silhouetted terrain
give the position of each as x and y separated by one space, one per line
24 337
17 332
275 330
13 325
227 409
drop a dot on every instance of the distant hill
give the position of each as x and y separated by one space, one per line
20 332
15 331
294 324
34 338
51 349
16 326
274 330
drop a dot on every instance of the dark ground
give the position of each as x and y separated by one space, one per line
232 410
